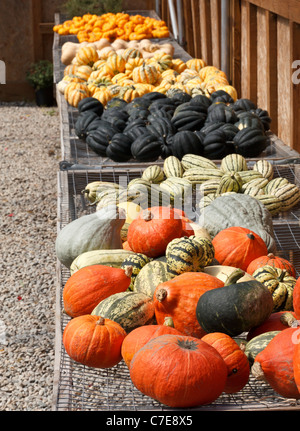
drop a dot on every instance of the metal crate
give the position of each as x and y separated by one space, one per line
77 387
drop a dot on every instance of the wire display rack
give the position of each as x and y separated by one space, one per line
77 387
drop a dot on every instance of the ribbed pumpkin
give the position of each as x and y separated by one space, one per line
137 338
87 55
272 260
188 372
152 230
296 298
280 284
235 359
296 363
94 341
277 321
275 363
178 298
146 73
238 246
90 285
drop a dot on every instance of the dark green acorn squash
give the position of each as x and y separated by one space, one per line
154 95
243 104
186 142
83 121
161 127
216 145
250 142
119 148
180 97
98 140
210 127
90 104
219 112
115 102
248 119
201 99
146 148
263 115
135 128
221 96
234 308
188 118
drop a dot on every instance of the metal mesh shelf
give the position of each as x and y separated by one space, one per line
77 387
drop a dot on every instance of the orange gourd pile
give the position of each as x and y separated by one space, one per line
91 27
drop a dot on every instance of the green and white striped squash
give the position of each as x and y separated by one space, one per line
113 258
184 255
257 344
257 182
274 184
206 200
271 202
289 195
150 276
265 168
153 174
210 186
230 182
199 176
173 167
136 261
233 163
249 175
129 309
195 161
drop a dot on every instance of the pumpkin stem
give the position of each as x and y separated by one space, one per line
128 271
250 235
257 371
234 277
287 319
282 275
169 322
100 321
161 294
271 255
147 215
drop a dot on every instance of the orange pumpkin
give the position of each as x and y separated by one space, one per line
177 298
238 246
152 230
296 298
137 338
275 363
188 372
235 359
272 260
90 285
94 341
296 361
276 322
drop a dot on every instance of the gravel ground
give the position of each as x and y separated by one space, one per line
30 154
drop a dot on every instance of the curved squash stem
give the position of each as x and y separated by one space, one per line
234 277
257 371
287 319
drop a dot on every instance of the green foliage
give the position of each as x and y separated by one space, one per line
40 74
80 7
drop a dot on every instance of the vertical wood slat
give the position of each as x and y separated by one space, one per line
215 17
36 17
267 64
235 67
189 32
295 83
284 79
248 51
205 30
195 29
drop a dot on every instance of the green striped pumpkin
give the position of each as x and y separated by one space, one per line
209 250
257 182
233 162
153 174
257 344
199 176
173 167
210 186
136 261
274 184
206 200
129 309
289 195
272 203
281 285
113 258
249 175
150 276
253 191
195 161
265 168
230 182
184 255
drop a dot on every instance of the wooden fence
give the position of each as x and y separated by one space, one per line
264 53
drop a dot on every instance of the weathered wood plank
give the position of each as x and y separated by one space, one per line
205 29
289 9
215 18
235 67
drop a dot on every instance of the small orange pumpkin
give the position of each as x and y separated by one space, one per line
238 246
235 359
89 285
296 298
94 341
272 260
